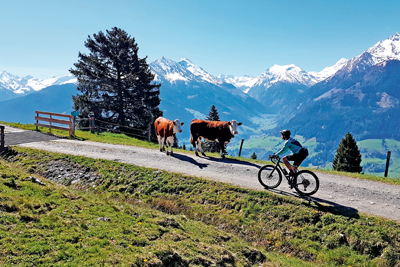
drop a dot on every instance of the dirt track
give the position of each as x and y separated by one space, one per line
348 194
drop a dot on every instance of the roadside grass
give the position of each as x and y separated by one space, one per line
122 139
52 224
304 231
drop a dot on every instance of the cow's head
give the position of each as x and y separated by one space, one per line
177 126
233 126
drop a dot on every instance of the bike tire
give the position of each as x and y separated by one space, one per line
306 180
269 176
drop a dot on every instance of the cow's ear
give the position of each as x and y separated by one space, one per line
239 123
174 123
229 123
182 123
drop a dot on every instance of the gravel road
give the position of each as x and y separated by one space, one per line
348 194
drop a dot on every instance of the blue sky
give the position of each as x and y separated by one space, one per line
43 38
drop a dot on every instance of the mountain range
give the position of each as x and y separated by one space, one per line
12 86
359 95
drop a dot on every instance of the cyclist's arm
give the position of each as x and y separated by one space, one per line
283 150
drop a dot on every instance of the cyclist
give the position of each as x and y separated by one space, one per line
299 152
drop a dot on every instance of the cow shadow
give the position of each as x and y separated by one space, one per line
190 160
232 161
322 204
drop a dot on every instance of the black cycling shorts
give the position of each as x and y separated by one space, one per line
298 158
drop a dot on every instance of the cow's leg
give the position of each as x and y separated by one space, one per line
170 143
193 139
199 145
159 142
163 139
221 149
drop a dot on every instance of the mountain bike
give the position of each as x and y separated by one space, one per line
305 182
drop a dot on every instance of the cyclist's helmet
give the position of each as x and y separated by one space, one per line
285 133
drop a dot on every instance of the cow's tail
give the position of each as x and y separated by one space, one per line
191 138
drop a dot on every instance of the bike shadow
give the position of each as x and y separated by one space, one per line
322 204
231 161
190 160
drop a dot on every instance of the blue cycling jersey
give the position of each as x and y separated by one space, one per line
292 145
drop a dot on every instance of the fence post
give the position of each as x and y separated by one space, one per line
149 131
91 122
387 163
2 138
73 125
50 123
37 115
240 150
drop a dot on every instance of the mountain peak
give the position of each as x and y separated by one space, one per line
395 37
186 60
388 49
278 69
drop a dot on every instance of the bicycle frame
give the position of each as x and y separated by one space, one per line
287 176
278 166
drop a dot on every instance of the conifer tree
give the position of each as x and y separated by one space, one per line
348 156
253 156
211 146
213 114
115 84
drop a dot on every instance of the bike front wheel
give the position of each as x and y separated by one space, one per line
269 176
306 183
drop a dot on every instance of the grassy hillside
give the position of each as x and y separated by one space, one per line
110 213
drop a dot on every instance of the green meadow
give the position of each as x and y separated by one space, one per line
135 216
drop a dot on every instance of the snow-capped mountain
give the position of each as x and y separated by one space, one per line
184 70
12 86
243 83
280 84
328 71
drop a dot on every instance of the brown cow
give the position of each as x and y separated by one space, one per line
166 130
219 131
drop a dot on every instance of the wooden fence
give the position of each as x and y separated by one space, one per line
50 119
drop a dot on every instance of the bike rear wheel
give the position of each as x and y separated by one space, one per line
306 183
269 176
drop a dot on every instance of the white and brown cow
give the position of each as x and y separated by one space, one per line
219 131
166 130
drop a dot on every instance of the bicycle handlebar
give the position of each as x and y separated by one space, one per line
274 157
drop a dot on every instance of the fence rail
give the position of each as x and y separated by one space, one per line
51 120
92 127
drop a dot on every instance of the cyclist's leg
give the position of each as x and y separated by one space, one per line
298 159
286 159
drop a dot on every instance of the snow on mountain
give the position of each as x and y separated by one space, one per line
29 84
328 71
385 50
241 82
184 70
382 51
287 73
197 71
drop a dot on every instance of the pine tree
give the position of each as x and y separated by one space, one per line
184 146
211 146
253 156
213 114
348 156
116 84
